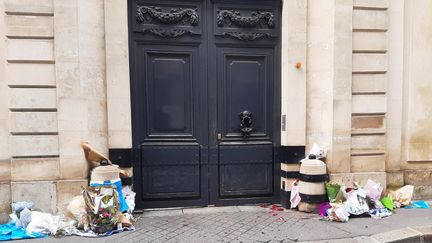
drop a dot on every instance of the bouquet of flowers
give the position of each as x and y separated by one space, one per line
102 208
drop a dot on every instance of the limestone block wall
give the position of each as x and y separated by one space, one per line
29 73
329 78
394 92
53 96
417 101
347 93
369 87
4 122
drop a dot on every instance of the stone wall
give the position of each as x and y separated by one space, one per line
117 74
417 100
4 123
54 75
329 81
293 78
362 90
369 88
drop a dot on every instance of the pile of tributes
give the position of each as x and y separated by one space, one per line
363 201
310 191
100 209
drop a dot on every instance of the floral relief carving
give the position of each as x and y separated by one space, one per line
246 36
151 14
168 33
258 19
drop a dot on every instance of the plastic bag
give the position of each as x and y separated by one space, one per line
388 203
373 190
319 151
129 196
332 190
338 214
295 194
10 231
17 207
379 213
316 152
356 202
24 218
418 204
323 208
44 223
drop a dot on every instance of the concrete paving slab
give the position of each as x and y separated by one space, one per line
401 235
248 224
425 230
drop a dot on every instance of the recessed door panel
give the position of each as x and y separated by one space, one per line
245 77
171 172
169 89
169 93
246 170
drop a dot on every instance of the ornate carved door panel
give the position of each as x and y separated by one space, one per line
205 101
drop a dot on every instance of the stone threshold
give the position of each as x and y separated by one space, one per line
162 212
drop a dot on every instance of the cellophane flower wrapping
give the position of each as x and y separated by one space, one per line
102 207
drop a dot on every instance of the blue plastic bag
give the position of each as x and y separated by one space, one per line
9 231
418 204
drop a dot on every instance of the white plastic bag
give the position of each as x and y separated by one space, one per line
319 152
25 217
129 196
23 220
338 213
355 203
44 223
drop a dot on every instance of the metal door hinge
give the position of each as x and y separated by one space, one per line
283 123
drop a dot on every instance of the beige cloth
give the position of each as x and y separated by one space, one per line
105 173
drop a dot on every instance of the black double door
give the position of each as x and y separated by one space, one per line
205 82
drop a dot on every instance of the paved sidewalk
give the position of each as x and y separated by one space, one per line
257 224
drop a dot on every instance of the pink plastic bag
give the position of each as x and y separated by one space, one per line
373 190
295 196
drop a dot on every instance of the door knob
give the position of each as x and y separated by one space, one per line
246 123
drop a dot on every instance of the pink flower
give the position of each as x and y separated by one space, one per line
106 214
